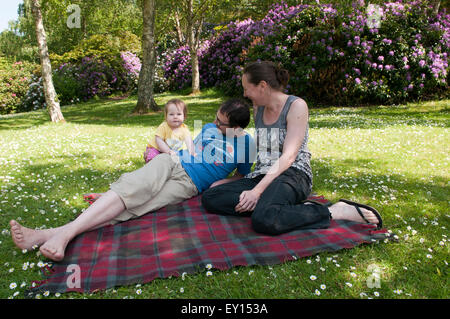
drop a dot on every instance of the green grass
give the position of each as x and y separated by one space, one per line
395 158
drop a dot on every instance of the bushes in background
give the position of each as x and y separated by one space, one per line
100 66
14 83
365 54
334 57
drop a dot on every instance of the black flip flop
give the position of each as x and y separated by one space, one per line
373 210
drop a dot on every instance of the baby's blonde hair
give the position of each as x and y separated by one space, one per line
179 104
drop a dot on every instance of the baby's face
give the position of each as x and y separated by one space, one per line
174 116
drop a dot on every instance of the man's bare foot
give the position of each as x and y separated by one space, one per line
55 247
26 238
345 211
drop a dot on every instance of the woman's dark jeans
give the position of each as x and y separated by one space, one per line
279 208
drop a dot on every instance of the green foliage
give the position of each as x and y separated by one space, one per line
98 66
103 46
67 86
14 46
338 58
333 54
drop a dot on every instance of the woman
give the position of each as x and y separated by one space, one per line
274 193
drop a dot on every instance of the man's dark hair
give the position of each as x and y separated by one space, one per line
237 111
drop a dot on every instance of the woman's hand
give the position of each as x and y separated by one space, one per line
247 201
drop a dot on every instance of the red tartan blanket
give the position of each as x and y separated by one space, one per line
185 238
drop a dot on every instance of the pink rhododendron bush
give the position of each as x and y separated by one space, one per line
366 54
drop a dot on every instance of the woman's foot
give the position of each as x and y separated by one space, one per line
26 238
55 247
342 210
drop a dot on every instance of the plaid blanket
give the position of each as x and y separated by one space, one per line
185 238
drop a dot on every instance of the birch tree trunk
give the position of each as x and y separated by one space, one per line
146 101
193 34
53 106
436 4
180 36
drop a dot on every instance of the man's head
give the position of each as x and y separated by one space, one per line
234 114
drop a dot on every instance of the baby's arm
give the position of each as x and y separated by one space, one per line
190 144
162 145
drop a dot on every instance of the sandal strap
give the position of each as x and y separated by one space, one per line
361 214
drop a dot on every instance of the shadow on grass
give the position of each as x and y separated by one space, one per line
66 179
379 117
23 120
411 193
46 188
118 112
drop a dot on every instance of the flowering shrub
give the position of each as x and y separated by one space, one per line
98 66
160 83
402 56
177 66
34 98
230 50
132 66
221 58
371 54
14 78
91 77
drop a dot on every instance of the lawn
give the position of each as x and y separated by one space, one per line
395 158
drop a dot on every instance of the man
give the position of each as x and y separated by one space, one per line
222 147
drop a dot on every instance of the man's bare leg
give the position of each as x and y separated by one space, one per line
55 240
27 238
101 212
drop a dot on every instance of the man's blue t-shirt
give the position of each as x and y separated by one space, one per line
217 156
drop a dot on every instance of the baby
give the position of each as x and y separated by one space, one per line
172 133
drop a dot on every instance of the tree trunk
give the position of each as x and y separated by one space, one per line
195 73
146 101
436 4
53 107
180 37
